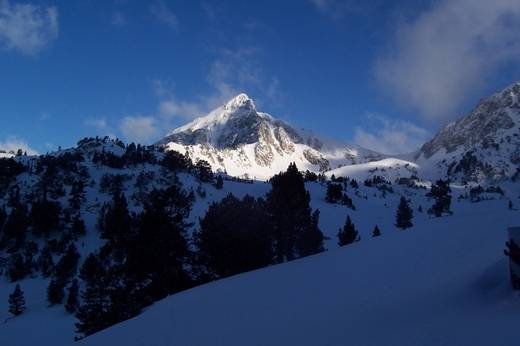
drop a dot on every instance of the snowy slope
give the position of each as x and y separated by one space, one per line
238 139
444 282
389 168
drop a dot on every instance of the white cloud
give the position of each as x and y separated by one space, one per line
139 128
173 109
443 56
27 28
164 14
12 144
389 136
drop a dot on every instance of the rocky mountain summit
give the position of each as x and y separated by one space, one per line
482 145
240 140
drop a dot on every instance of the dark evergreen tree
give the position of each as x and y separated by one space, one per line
16 301
115 220
334 193
175 161
45 217
234 237
404 215
3 218
203 171
45 262
441 192
15 227
310 242
77 195
105 299
219 184
67 265
376 232
288 206
348 234
55 291
16 270
354 184
29 252
157 255
510 205
72 297
78 228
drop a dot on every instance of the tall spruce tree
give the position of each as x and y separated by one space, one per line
72 297
348 234
441 192
55 291
234 237
16 301
404 215
376 232
157 255
92 314
293 226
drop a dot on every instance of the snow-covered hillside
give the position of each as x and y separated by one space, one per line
443 282
239 140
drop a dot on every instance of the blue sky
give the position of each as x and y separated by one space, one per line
383 74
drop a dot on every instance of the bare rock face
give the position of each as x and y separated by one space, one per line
315 158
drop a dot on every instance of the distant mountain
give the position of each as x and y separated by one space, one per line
484 145
240 140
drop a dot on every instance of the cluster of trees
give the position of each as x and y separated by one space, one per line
147 254
441 193
335 194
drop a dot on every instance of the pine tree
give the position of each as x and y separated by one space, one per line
92 313
115 222
72 298
16 301
376 232
234 237
67 265
334 193
510 205
16 270
441 192
219 183
45 262
78 228
404 215
348 234
16 226
55 292
293 227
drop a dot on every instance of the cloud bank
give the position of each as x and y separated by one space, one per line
390 136
442 57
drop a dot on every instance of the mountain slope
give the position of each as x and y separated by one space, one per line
444 282
238 139
483 145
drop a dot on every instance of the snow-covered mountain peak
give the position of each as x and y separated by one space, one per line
484 144
240 140
240 101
